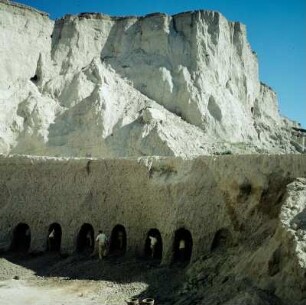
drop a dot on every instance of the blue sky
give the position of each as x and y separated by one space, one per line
276 32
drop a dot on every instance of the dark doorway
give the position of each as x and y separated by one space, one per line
54 238
85 240
182 246
221 240
154 245
21 238
118 240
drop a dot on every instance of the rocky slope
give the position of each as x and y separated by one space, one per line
268 266
94 85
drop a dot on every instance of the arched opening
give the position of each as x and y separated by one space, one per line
221 240
154 245
118 240
54 238
21 238
85 240
182 246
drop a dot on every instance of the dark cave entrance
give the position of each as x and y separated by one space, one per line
21 238
154 245
34 79
85 240
54 238
118 240
182 246
221 240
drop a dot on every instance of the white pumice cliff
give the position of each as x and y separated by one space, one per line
100 86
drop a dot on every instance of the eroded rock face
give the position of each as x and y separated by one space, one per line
266 264
247 229
157 85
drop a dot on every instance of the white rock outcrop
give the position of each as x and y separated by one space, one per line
94 85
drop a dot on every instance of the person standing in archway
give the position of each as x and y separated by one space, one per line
102 241
120 240
153 243
51 239
89 239
182 250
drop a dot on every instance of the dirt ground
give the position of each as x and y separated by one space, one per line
50 279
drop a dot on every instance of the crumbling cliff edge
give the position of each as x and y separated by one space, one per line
101 86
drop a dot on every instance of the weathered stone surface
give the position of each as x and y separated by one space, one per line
156 85
246 196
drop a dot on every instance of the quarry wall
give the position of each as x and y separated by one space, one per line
202 195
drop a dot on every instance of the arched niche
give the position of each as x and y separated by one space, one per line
153 245
118 240
85 239
54 237
182 246
222 240
21 238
